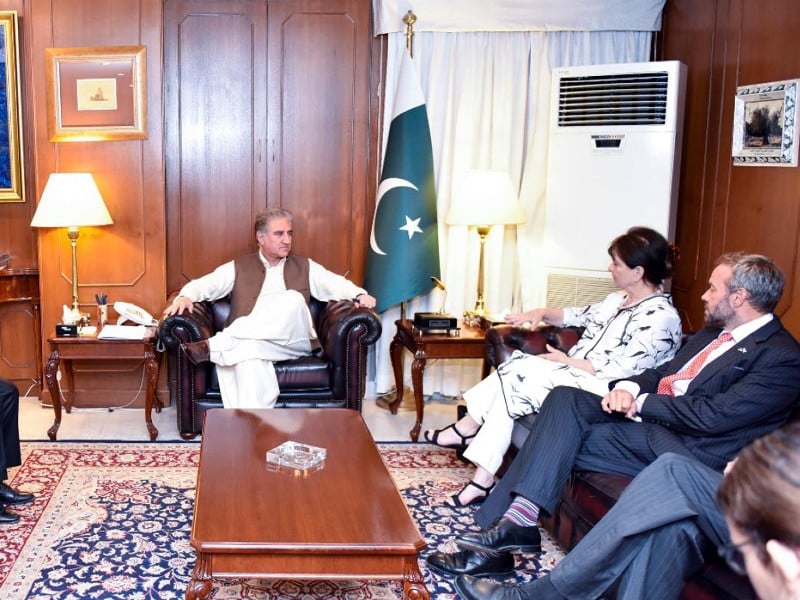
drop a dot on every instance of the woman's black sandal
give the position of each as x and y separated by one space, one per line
456 500
434 439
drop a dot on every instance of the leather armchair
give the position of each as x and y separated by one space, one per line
333 377
587 495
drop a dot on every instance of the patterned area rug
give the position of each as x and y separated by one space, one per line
113 520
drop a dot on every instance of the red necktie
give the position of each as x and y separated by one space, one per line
689 372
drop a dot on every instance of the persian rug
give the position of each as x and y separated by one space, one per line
113 520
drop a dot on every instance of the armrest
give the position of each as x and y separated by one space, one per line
344 327
502 340
188 327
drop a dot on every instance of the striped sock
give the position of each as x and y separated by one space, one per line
522 512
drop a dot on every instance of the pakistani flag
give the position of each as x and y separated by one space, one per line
404 243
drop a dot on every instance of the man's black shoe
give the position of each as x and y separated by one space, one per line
197 352
466 562
7 517
503 537
472 588
9 495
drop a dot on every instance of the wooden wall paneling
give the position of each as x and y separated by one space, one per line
215 102
124 260
319 126
725 44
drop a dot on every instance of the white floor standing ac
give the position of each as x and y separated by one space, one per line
613 162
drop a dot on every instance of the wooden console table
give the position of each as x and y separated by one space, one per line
22 285
470 344
67 349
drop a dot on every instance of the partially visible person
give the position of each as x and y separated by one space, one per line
630 331
734 381
10 454
760 498
658 533
270 319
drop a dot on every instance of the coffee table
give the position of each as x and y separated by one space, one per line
344 521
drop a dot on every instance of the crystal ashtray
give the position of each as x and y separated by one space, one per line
296 455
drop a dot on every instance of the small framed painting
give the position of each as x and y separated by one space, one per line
11 155
765 124
96 94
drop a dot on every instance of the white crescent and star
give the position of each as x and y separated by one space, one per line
411 226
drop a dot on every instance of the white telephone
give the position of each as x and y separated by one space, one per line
130 312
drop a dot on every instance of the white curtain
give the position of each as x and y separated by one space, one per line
487 96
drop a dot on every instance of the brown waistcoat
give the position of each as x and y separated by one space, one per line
250 279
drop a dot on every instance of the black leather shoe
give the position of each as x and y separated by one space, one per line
197 352
503 537
471 588
7 517
9 495
471 563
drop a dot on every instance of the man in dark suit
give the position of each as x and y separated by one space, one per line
10 455
650 542
745 387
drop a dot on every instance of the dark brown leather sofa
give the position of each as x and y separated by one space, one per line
332 377
588 496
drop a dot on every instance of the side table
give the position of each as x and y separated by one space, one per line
470 344
67 349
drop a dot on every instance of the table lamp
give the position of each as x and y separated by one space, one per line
71 200
485 198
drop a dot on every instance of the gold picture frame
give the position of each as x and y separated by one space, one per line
96 94
12 187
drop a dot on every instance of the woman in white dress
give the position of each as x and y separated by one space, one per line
630 331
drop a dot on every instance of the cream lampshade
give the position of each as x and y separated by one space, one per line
71 200
485 199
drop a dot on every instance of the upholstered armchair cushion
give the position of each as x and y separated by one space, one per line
333 376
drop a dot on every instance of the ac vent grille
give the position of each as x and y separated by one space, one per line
623 99
571 290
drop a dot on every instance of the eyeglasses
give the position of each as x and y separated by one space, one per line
734 557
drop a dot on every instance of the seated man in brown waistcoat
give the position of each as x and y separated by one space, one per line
270 319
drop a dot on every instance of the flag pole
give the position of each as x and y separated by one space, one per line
409 19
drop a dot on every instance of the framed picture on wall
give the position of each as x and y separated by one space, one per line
765 124
11 155
96 94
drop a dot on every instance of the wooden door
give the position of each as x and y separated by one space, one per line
215 127
268 103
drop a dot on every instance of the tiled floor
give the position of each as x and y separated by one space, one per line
128 424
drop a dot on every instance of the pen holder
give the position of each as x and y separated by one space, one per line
102 314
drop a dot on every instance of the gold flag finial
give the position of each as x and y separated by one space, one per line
409 20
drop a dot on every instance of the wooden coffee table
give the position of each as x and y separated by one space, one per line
344 521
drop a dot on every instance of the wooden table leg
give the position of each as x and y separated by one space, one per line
52 385
69 380
413 582
151 370
395 353
417 369
200 584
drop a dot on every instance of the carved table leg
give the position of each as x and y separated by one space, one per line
151 370
395 352
69 379
52 385
417 368
200 584
413 582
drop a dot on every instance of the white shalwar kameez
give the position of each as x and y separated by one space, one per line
278 328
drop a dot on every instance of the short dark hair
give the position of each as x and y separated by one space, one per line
265 217
758 275
761 492
646 248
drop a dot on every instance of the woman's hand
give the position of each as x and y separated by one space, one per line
531 317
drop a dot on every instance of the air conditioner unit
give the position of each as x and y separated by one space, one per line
613 162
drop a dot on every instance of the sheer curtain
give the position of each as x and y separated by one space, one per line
487 96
